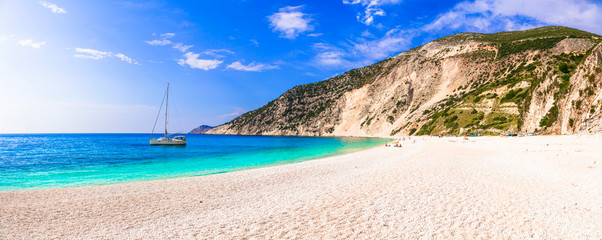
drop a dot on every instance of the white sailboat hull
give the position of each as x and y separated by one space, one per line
168 141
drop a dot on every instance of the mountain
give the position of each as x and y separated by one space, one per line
201 129
546 80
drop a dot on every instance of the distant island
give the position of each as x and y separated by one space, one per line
201 129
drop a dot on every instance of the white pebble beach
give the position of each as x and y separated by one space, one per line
541 187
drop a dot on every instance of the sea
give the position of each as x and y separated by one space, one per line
44 161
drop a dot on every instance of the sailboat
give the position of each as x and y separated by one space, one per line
166 139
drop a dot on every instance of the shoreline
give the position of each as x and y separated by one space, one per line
486 187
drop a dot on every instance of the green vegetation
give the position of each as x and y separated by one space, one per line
509 48
565 68
591 78
477 99
390 119
330 130
519 41
450 122
367 121
550 117
516 96
511 36
482 54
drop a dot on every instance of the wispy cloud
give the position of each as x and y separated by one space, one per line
181 47
229 115
361 51
193 61
125 58
290 22
329 55
158 42
234 113
252 67
140 5
394 41
30 43
164 40
497 15
168 35
86 53
53 7
371 9
218 53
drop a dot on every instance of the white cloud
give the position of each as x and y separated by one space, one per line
228 115
496 15
181 47
314 34
254 42
163 41
126 58
367 34
371 8
362 51
167 35
86 53
53 7
252 67
329 55
189 58
158 42
290 22
192 60
30 43
216 52
392 42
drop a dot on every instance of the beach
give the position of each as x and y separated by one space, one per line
540 187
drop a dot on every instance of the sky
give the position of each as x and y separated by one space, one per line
103 66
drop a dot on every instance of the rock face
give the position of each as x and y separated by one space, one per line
201 129
546 80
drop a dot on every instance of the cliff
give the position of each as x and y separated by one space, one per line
546 80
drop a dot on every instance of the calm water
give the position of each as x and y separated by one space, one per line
38 161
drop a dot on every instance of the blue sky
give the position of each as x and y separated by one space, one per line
102 66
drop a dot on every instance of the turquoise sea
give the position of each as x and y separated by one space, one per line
41 161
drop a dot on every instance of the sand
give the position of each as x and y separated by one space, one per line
437 188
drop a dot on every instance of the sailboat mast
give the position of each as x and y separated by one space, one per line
166 103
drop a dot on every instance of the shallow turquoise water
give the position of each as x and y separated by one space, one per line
39 161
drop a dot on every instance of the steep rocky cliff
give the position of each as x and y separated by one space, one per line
546 80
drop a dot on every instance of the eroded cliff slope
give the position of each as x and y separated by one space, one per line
545 80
